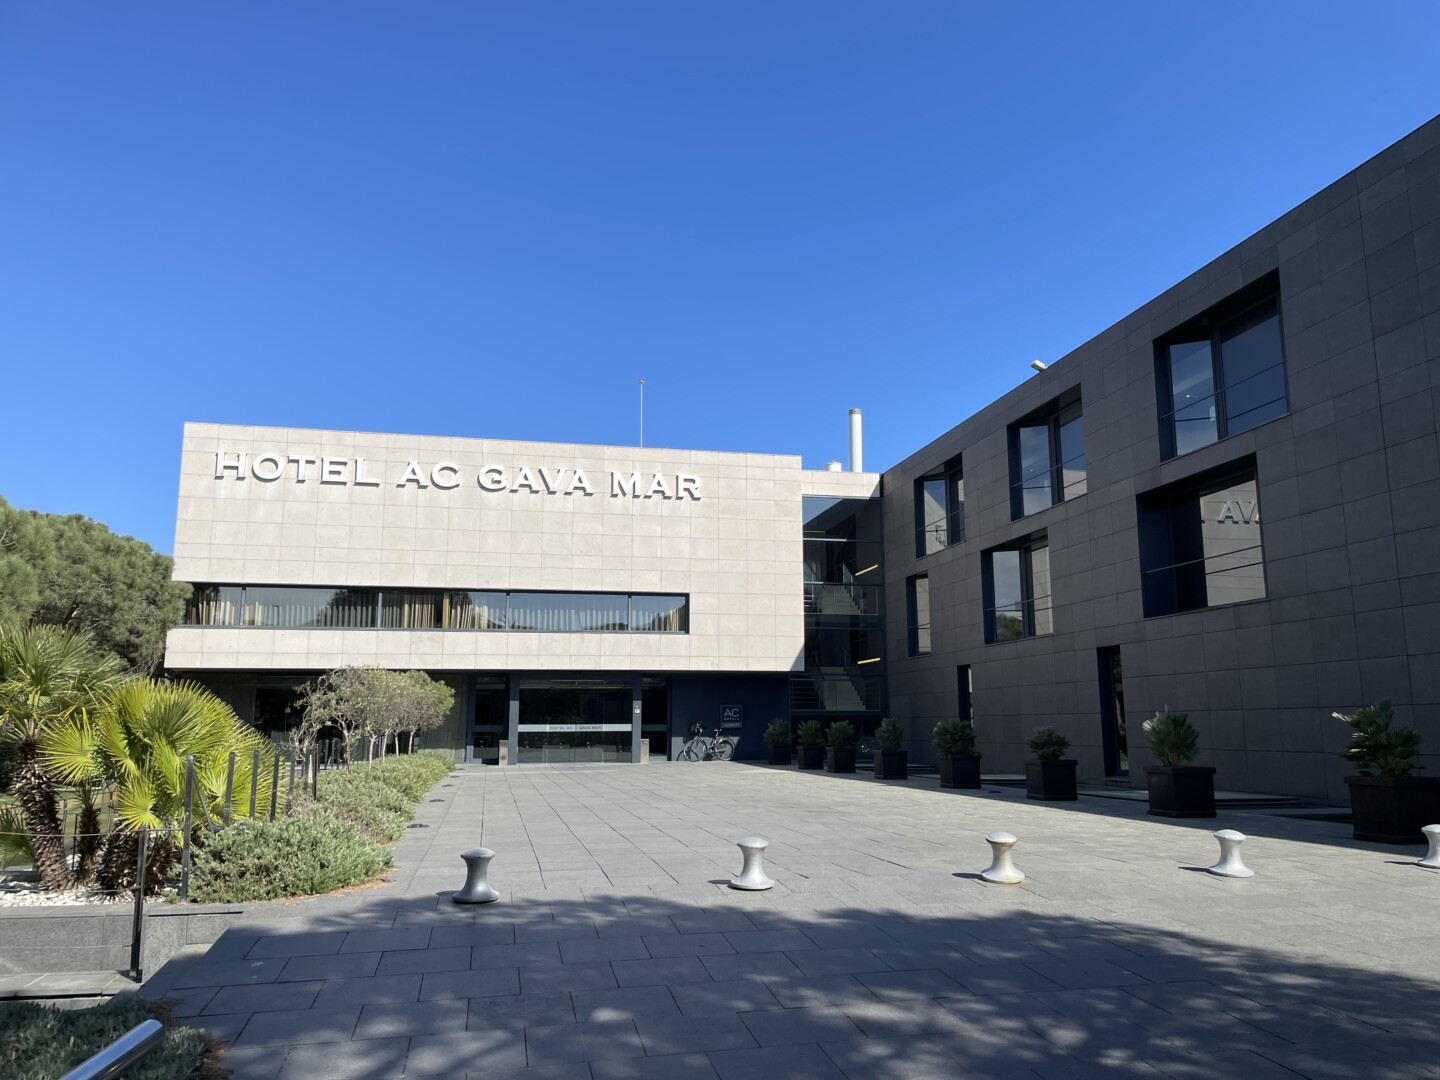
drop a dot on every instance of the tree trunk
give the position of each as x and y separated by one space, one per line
36 792
87 843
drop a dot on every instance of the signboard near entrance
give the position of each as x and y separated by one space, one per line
732 716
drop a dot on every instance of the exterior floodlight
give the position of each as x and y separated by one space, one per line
1039 365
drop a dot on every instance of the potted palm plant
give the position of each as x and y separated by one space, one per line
1387 804
840 747
1177 788
891 758
811 739
778 736
959 761
1049 775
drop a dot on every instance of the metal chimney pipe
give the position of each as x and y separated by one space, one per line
857 459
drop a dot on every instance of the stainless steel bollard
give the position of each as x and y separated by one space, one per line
1432 857
752 872
477 889
1230 864
1001 870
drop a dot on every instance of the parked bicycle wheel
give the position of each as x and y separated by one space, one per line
694 750
723 748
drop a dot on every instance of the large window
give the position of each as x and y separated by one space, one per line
1047 456
1223 372
1200 543
304 607
917 606
1017 590
844 653
940 508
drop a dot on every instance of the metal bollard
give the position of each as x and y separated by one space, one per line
1432 857
1230 864
752 871
477 889
1002 870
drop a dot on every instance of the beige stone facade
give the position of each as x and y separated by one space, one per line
422 512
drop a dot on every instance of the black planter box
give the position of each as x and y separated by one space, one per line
839 759
1393 809
1051 780
960 770
892 764
1181 791
779 753
812 757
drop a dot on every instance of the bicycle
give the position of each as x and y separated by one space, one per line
720 747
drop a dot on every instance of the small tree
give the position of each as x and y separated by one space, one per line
1173 739
810 734
890 735
422 704
777 732
353 700
955 737
1047 744
1377 748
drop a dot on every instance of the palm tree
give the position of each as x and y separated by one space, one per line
138 741
48 678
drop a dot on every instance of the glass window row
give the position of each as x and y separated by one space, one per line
308 607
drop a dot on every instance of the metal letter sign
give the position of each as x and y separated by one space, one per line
731 716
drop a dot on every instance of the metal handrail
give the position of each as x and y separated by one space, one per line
117 1058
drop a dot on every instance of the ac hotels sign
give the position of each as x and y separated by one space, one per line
446 475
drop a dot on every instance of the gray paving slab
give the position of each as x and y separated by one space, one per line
618 951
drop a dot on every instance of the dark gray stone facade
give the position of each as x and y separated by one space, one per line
1349 491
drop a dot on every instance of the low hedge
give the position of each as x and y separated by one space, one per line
40 1042
322 846
317 852
410 774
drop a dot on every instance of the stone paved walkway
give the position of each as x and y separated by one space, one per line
618 952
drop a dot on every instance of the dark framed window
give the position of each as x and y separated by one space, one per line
940 508
1047 456
1016 581
966 712
308 607
1200 542
1222 372
917 607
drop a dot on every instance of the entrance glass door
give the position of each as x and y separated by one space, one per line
492 706
565 720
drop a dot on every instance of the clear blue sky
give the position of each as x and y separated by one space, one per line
490 219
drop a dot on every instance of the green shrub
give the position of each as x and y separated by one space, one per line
890 735
954 737
39 1042
1172 738
411 774
778 732
842 734
810 734
379 810
298 856
1047 744
1377 748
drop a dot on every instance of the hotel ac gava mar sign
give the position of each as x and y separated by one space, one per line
446 476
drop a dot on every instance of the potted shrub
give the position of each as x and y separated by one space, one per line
811 738
1177 788
840 747
778 736
1049 775
1387 804
959 762
892 760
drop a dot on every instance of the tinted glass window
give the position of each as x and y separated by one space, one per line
1034 447
919 605
1192 395
576 612
308 608
1009 610
933 518
476 611
213 605
1072 452
1254 373
657 613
